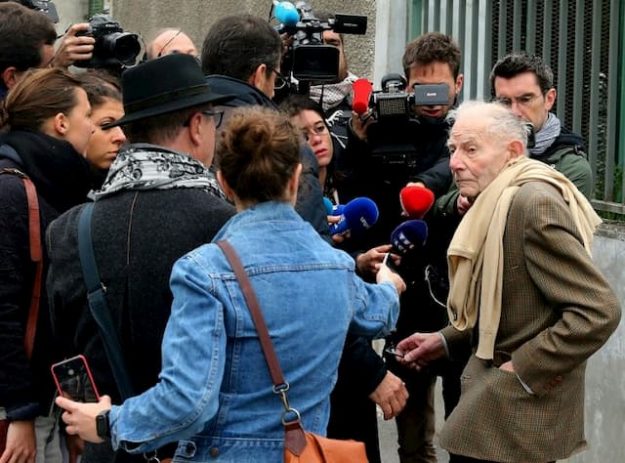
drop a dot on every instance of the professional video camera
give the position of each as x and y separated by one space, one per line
307 58
44 6
113 47
392 134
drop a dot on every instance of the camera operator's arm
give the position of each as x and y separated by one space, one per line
74 48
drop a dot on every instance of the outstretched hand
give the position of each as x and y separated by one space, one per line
420 349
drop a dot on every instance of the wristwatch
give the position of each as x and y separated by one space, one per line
102 427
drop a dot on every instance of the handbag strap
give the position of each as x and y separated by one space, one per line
36 255
98 305
294 439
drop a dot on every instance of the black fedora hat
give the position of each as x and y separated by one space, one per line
164 85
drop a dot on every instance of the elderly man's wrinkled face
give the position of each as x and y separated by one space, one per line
477 156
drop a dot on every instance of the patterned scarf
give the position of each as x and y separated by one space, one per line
333 94
545 137
143 166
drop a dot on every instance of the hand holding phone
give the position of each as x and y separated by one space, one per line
73 380
392 350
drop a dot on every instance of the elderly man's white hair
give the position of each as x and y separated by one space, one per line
501 122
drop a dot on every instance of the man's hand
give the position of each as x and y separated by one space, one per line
420 349
337 238
463 204
74 48
80 417
391 395
360 124
21 446
369 262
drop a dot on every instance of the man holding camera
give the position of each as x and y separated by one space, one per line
386 155
241 55
26 41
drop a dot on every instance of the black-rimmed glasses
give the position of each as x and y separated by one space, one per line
217 116
280 81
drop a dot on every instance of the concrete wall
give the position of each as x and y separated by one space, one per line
196 16
605 376
70 12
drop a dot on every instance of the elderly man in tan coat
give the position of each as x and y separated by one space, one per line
525 295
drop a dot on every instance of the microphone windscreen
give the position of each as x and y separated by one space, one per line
328 205
416 201
358 215
409 235
286 13
362 89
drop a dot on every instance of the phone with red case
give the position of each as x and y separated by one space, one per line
74 380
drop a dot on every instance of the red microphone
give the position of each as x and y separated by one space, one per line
416 201
363 90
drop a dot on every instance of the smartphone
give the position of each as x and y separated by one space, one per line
393 351
74 380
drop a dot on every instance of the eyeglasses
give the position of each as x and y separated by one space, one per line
523 100
217 116
319 130
280 81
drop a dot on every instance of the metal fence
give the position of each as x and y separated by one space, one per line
582 40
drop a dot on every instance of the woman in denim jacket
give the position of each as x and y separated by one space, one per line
215 393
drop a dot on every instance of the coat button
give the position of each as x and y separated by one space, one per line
214 452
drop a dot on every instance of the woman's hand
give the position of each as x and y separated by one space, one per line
21 446
80 417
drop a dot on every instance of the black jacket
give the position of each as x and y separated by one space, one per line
380 175
309 197
137 237
61 177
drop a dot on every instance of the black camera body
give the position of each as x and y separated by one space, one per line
113 47
391 136
308 59
393 102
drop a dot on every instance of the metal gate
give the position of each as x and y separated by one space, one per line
583 42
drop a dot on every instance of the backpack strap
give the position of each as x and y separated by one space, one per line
98 306
36 255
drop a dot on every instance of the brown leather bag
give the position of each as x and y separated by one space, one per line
299 446
36 255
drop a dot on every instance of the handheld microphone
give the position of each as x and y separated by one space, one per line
416 201
286 13
408 236
363 90
359 214
332 209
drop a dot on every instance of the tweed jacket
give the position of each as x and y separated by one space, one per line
557 310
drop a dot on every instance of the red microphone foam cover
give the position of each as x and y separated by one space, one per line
362 89
416 201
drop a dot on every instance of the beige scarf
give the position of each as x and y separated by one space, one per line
475 255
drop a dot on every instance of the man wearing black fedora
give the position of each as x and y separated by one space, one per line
241 55
157 203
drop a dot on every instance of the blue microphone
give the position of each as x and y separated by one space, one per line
359 214
286 13
331 208
408 236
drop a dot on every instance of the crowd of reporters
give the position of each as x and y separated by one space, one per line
158 197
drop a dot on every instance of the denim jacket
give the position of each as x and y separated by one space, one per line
215 393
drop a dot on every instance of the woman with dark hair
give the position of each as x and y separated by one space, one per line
47 118
106 107
215 393
308 117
